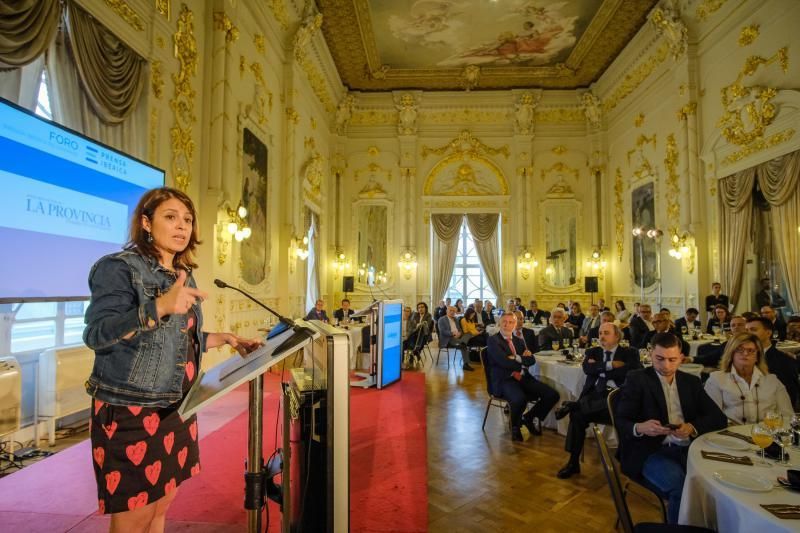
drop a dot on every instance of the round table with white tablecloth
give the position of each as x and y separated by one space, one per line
792 347
709 502
694 344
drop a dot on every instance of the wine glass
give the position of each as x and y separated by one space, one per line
783 438
595 342
555 346
773 420
795 425
684 330
762 437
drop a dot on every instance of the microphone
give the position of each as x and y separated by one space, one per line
288 321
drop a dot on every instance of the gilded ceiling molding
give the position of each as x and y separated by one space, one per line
156 78
126 12
759 145
223 23
559 115
748 34
164 8
668 24
673 187
374 117
465 143
754 102
301 40
561 169
708 7
635 78
466 115
182 103
619 213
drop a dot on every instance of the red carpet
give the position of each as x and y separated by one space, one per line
388 470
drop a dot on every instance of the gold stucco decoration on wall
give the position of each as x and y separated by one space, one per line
637 159
164 8
558 115
127 13
559 150
371 171
673 187
759 145
465 174
182 103
749 110
748 34
466 143
278 8
636 76
259 43
708 7
619 213
223 23
374 117
638 120
560 169
687 110
156 79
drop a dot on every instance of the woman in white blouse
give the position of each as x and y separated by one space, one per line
743 387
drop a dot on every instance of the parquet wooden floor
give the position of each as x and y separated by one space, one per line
482 481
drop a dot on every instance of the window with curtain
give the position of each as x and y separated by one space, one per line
469 279
43 98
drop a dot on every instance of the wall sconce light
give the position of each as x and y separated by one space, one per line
682 248
340 264
549 270
526 263
407 263
237 226
381 277
596 263
301 251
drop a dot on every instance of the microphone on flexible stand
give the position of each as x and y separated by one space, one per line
282 319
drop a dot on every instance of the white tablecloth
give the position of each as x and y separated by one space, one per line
566 379
789 346
707 502
694 345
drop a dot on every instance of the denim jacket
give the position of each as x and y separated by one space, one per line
148 368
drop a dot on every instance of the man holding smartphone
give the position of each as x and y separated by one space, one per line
659 412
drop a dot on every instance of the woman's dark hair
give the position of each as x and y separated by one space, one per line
138 238
470 314
423 304
620 305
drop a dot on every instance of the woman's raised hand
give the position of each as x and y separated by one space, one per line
179 298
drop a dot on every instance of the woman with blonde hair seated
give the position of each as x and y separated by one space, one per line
743 387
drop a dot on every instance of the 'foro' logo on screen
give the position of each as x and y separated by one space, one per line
63 140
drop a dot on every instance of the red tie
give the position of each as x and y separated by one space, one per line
511 345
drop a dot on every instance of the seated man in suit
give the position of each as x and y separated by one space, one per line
688 321
591 321
640 325
535 315
555 336
451 336
527 335
662 324
318 312
778 324
709 355
658 414
509 363
605 367
343 313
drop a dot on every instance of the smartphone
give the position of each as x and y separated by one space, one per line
673 426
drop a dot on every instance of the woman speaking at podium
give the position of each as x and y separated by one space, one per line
144 323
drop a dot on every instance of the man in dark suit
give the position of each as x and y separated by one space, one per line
640 325
318 312
662 324
709 355
688 321
343 313
451 335
716 298
527 335
769 297
783 365
555 332
535 315
778 324
605 367
510 363
658 414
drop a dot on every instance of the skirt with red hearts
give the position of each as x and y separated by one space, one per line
140 454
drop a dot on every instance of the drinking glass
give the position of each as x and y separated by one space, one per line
715 330
795 425
555 346
773 420
595 342
762 437
684 330
624 343
783 438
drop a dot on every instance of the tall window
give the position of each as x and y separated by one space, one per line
43 99
469 280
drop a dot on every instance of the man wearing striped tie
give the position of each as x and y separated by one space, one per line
510 378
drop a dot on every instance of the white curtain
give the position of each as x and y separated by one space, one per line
71 106
21 85
312 274
779 180
444 247
736 216
484 232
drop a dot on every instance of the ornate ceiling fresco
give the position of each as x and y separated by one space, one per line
483 44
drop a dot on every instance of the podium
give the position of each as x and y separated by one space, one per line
228 375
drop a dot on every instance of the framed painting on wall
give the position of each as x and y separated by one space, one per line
253 258
644 249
